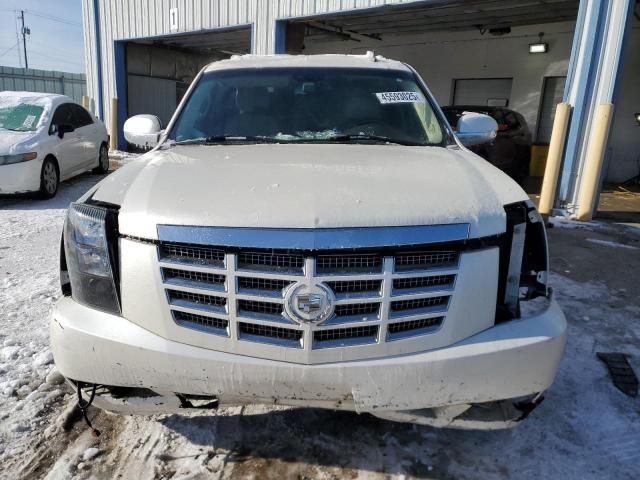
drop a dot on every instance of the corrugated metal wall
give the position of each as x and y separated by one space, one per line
129 19
46 81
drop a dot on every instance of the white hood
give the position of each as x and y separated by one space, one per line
12 142
309 186
16 142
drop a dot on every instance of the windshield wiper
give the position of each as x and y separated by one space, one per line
226 139
372 138
359 137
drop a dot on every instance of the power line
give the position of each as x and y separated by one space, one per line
48 47
53 18
9 49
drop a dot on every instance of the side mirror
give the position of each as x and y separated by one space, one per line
64 128
476 128
143 131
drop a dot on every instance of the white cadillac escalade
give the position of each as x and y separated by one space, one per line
309 231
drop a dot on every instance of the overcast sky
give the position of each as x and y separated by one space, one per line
56 41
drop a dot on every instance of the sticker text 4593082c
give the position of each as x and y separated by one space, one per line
400 97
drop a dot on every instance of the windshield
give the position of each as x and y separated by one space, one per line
308 105
23 117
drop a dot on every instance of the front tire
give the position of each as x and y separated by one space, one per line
103 160
49 179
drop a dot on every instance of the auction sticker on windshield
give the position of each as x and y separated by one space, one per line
400 97
28 122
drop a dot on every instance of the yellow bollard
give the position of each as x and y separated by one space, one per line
593 162
113 122
554 158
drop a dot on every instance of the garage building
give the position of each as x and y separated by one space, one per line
145 53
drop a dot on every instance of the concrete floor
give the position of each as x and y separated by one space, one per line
608 254
618 202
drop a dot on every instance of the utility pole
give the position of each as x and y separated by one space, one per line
25 32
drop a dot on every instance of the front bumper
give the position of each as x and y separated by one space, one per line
20 177
511 360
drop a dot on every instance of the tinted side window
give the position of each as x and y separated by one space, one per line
511 120
62 115
452 117
81 116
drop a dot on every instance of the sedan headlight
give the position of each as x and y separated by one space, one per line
22 157
89 233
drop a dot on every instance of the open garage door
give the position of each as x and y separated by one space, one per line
160 70
469 52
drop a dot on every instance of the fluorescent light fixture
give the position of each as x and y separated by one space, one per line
637 117
538 47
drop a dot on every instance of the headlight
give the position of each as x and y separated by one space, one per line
22 157
87 233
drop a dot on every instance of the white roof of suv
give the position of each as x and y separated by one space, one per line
368 60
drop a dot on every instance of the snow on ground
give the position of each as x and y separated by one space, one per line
118 158
29 245
585 429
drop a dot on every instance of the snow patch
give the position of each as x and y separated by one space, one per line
611 244
90 453
563 222
43 358
10 353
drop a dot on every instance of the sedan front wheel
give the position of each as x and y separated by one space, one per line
103 160
49 179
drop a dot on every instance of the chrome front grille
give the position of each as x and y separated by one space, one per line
272 262
217 326
339 264
363 311
257 309
398 330
241 294
416 283
348 288
344 337
286 337
425 260
196 301
400 307
190 254
184 278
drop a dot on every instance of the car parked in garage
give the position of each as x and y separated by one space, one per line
510 151
309 231
45 139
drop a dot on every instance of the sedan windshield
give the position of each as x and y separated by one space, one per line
301 105
22 117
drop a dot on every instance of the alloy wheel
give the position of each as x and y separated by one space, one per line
104 158
50 176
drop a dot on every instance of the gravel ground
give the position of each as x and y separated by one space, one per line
585 429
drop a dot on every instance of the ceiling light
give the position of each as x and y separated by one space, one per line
637 116
539 46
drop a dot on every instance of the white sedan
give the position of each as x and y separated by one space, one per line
47 138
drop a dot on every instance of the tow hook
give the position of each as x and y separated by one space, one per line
528 406
202 402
